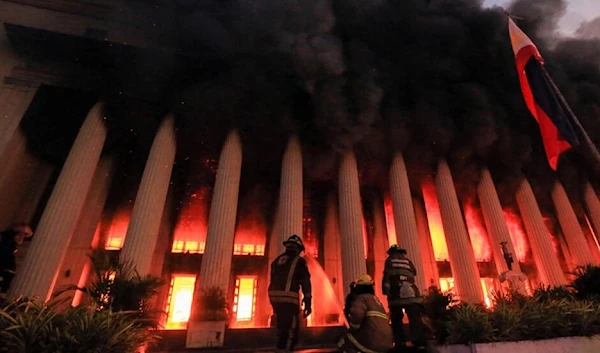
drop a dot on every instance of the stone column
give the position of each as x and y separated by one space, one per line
592 205
275 247
149 205
541 244
431 273
495 222
576 242
380 247
404 217
351 230
76 266
290 194
462 258
332 249
216 261
14 102
37 275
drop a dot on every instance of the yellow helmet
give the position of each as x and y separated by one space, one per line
365 280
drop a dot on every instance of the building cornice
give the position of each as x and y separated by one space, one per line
83 63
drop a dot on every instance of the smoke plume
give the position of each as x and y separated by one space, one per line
431 78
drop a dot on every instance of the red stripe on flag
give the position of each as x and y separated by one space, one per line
522 58
554 143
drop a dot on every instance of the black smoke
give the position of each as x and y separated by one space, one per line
431 78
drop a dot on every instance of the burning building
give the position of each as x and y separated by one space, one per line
193 138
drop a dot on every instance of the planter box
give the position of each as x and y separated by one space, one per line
205 334
556 345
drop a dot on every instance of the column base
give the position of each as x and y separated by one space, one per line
204 334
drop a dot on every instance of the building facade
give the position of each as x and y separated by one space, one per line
94 157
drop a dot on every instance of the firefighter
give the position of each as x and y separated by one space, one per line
289 273
369 329
403 295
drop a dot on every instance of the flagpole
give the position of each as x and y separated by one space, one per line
572 117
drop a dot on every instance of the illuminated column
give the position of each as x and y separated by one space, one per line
14 102
404 217
37 274
290 194
216 261
332 248
539 238
495 222
592 205
76 266
462 259
380 247
431 273
351 230
576 242
149 205
275 246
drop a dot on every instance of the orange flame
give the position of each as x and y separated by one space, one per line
190 231
517 235
549 222
478 234
434 218
118 230
390 221
250 237
309 238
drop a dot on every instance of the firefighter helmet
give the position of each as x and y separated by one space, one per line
365 280
294 240
396 249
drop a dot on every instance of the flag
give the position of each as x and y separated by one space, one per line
540 97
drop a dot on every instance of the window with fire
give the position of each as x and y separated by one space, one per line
181 294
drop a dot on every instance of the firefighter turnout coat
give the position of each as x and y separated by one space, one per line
289 273
399 281
370 331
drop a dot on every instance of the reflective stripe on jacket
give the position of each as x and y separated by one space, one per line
370 331
289 273
399 281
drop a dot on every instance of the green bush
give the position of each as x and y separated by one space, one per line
117 286
29 326
550 312
586 284
212 306
469 323
436 313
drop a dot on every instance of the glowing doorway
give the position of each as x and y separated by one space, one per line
179 303
244 301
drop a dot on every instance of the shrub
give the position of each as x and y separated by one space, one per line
28 326
549 293
117 286
469 323
586 283
436 305
212 306
549 313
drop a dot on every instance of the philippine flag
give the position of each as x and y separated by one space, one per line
541 99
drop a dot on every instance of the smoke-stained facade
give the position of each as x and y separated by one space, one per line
192 137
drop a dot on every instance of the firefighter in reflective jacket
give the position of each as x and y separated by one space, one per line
402 293
289 273
369 330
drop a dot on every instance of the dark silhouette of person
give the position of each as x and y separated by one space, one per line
289 273
10 240
403 295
